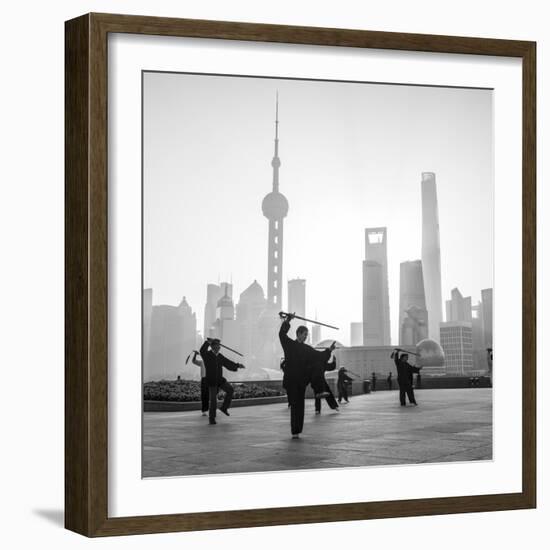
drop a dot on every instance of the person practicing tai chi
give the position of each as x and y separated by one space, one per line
405 373
301 360
331 401
342 385
204 384
214 362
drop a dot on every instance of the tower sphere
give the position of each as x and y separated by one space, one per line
275 206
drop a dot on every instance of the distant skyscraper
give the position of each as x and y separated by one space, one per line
478 343
275 209
413 315
316 334
173 333
487 316
213 294
297 296
225 309
431 254
458 308
250 307
226 327
356 334
456 341
376 303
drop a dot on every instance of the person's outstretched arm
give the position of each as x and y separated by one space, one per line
196 361
323 356
283 332
231 365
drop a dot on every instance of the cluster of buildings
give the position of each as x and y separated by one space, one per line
464 335
170 333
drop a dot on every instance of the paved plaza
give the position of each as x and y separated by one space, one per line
448 425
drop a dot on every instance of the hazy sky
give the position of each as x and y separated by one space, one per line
352 155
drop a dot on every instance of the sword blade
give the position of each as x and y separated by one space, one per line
231 349
315 322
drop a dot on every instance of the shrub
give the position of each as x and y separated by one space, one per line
187 390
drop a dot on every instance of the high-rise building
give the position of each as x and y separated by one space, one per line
487 316
213 294
250 307
316 336
225 309
297 296
413 315
275 209
456 341
431 254
458 308
356 334
376 303
478 343
226 327
173 337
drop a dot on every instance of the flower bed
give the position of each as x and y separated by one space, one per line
186 390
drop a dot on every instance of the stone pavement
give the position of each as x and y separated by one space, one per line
448 425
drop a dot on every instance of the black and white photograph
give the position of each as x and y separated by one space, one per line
317 274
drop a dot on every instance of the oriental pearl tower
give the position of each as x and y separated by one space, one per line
275 209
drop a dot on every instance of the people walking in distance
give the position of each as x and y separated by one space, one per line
418 381
373 381
404 377
342 385
331 401
214 363
300 360
389 380
204 384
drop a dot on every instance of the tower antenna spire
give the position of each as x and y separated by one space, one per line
275 209
276 120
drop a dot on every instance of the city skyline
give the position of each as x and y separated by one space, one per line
308 251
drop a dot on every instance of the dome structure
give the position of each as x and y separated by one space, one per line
275 206
430 354
253 293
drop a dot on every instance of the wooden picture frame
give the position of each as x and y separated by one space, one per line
86 279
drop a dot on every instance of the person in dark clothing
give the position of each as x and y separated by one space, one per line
405 373
343 381
300 361
331 401
214 362
204 384
373 378
418 381
389 380
282 367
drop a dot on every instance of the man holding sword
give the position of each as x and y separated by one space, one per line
214 362
405 375
300 362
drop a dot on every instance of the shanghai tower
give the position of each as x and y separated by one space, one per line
275 209
431 255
